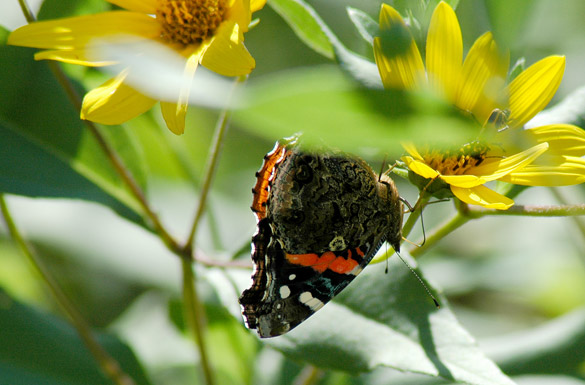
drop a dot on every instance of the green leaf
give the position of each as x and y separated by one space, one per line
366 26
53 9
325 106
303 21
389 321
517 69
29 169
45 142
361 69
40 349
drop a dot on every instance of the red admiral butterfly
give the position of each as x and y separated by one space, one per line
321 218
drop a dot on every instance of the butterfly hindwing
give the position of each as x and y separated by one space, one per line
299 285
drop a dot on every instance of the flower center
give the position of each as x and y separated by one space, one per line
189 21
457 162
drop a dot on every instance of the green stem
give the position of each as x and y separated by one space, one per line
117 162
194 310
195 315
26 11
108 150
466 213
107 363
211 165
530 211
453 224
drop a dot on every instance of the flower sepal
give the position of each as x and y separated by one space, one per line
436 187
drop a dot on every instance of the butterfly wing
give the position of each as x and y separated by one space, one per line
289 288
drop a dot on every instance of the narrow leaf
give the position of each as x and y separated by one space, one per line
361 69
304 22
366 26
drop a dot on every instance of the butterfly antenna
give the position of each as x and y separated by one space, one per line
420 280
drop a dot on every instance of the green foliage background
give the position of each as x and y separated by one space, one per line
513 288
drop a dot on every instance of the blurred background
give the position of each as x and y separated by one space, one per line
501 274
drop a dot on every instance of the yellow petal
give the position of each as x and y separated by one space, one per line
444 51
144 6
419 168
256 5
399 61
76 32
482 79
496 168
240 13
226 53
75 56
464 181
564 139
533 89
564 171
114 102
174 113
174 116
482 196
411 149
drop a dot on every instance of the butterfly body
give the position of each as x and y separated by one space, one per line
321 218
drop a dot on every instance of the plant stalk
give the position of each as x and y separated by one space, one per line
107 363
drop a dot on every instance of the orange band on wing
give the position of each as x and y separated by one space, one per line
327 260
343 266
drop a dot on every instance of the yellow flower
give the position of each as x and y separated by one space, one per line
503 150
206 32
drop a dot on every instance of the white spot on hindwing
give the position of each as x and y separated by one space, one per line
312 302
292 277
284 292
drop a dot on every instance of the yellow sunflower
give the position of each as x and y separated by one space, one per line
542 156
206 32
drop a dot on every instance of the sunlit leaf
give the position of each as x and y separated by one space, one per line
303 20
389 320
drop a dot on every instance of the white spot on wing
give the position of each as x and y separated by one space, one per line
292 277
284 292
312 302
